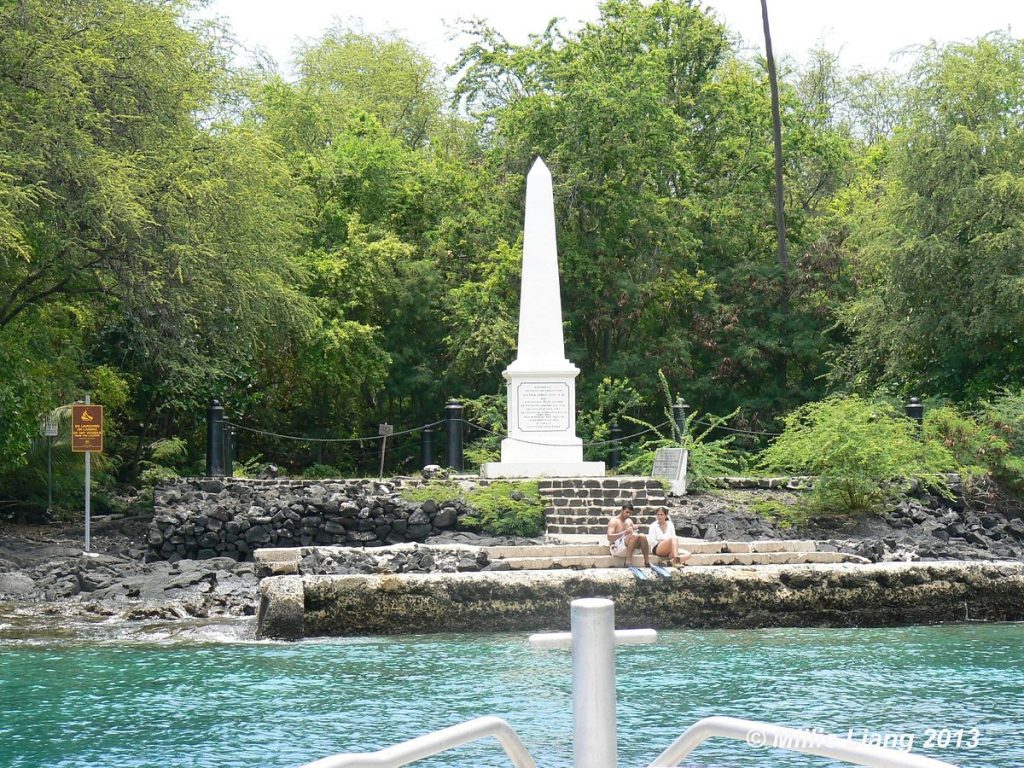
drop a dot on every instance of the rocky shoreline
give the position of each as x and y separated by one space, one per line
43 568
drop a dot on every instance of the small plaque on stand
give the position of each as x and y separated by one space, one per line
670 464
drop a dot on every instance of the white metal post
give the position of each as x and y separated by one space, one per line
593 683
88 484
592 641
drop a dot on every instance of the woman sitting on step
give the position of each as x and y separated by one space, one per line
662 537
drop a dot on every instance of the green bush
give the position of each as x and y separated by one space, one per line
249 467
1005 416
974 445
501 509
856 448
988 442
166 458
488 413
322 472
436 490
506 509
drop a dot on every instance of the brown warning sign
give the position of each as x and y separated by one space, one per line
87 428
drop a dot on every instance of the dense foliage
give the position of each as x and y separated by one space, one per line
857 450
340 249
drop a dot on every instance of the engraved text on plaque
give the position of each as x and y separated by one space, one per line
543 406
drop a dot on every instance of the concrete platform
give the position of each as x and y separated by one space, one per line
839 595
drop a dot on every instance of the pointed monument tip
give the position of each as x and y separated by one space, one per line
538 164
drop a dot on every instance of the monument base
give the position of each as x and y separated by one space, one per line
493 469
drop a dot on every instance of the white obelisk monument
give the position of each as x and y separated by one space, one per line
541 382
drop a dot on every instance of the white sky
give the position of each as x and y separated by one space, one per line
866 32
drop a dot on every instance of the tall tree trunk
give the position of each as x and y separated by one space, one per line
780 213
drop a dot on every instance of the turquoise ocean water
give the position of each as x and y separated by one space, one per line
98 695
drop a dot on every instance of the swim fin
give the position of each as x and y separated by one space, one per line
641 576
662 571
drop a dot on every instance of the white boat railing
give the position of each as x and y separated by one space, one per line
592 640
767 735
435 743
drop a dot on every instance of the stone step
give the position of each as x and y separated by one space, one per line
595 518
694 546
724 558
577 530
625 482
583 508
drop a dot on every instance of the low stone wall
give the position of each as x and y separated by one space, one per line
880 594
204 518
787 483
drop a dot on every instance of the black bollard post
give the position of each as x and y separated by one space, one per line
615 454
453 425
915 410
215 440
426 446
679 409
230 435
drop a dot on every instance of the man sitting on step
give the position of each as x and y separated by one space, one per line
623 537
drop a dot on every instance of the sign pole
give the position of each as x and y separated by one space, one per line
88 483
384 430
86 437
48 428
49 475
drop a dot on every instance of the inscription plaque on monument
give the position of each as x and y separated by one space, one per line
543 406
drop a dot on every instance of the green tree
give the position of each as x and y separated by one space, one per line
659 141
135 209
936 233
393 208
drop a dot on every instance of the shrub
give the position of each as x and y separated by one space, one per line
166 458
436 490
485 417
501 509
1005 416
855 448
322 472
974 445
506 509
988 442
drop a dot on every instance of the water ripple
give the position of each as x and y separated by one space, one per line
206 695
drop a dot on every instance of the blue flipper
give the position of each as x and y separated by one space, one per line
638 573
662 571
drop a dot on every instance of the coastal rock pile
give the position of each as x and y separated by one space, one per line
707 517
931 529
410 558
917 526
205 518
219 586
